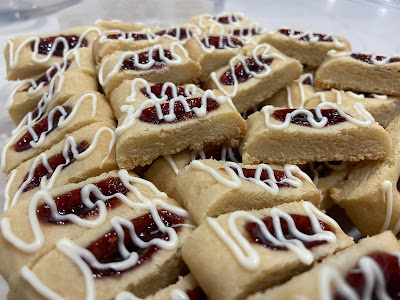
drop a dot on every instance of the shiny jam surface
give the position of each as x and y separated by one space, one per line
216 153
226 19
279 175
149 115
332 115
41 127
302 223
45 44
158 88
321 167
221 42
227 78
196 294
134 36
53 162
106 250
131 64
321 37
71 202
182 32
245 32
307 81
390 266
368 58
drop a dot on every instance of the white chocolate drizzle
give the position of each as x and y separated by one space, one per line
366 121
177 59
69 145
178 294
327 164
312 37
300 86
239 59
374 60
246 254
245 32
387 196
233 18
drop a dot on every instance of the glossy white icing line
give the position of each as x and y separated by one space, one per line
232 18
239 59
322 96
300 85
334 167
7 197
207 47
387 197
133 114
374 60
361 96
245 253
312 37
247 32
40 287
178 294
14 56
69 145
270 185
331 281
321 121
226 153
172 163
177 59
126 296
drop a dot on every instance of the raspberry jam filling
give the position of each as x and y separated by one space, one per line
226 19
228 78
321 167
196 294
221 42
307 81
246 31
54 161
106 249
321 37
134 36
302 223
158 88
45 44
131 64
368 58
149 115
181 32
332 115
390 266
72 203
41 127
279 175
46 78
216 153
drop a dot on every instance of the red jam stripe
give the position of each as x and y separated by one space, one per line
157 90
131 64
45 44
321 37
368 58
301 119
218 44
279 175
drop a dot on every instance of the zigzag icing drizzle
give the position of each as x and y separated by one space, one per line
300 85
354 95
83 257
341 167
374 60
238 59
233 18
270 185
13 58
331 281
387 196
248 257
247 32
313 38
47 184
176 60
64 120
368 119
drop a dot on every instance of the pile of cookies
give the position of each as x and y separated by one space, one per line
197 161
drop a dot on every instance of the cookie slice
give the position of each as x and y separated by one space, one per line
326 133
159 63
307 47
360 72
168 125
368 270
259 249
209 188
254 76
139 252
39 135
372 189
224 20
84 153
28 56
30 229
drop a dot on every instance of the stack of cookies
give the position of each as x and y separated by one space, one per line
197 162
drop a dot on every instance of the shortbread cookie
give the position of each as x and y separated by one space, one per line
164 170
213 50
84 153
28 56
224 20
39 135
210 188
326 133
361 72
259 249
29 229
251 33
307 47
383 108
139 252
251 78
372 189
368 270
326 175
167 125
159 63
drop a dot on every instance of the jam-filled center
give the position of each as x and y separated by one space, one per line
367 58
321 37
240 73
221 42
46 44
149 115
196 294
159 91
251 173
245 32
180 33
332 116
219 153
72 202
302 224
226 19
106 249
144 58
